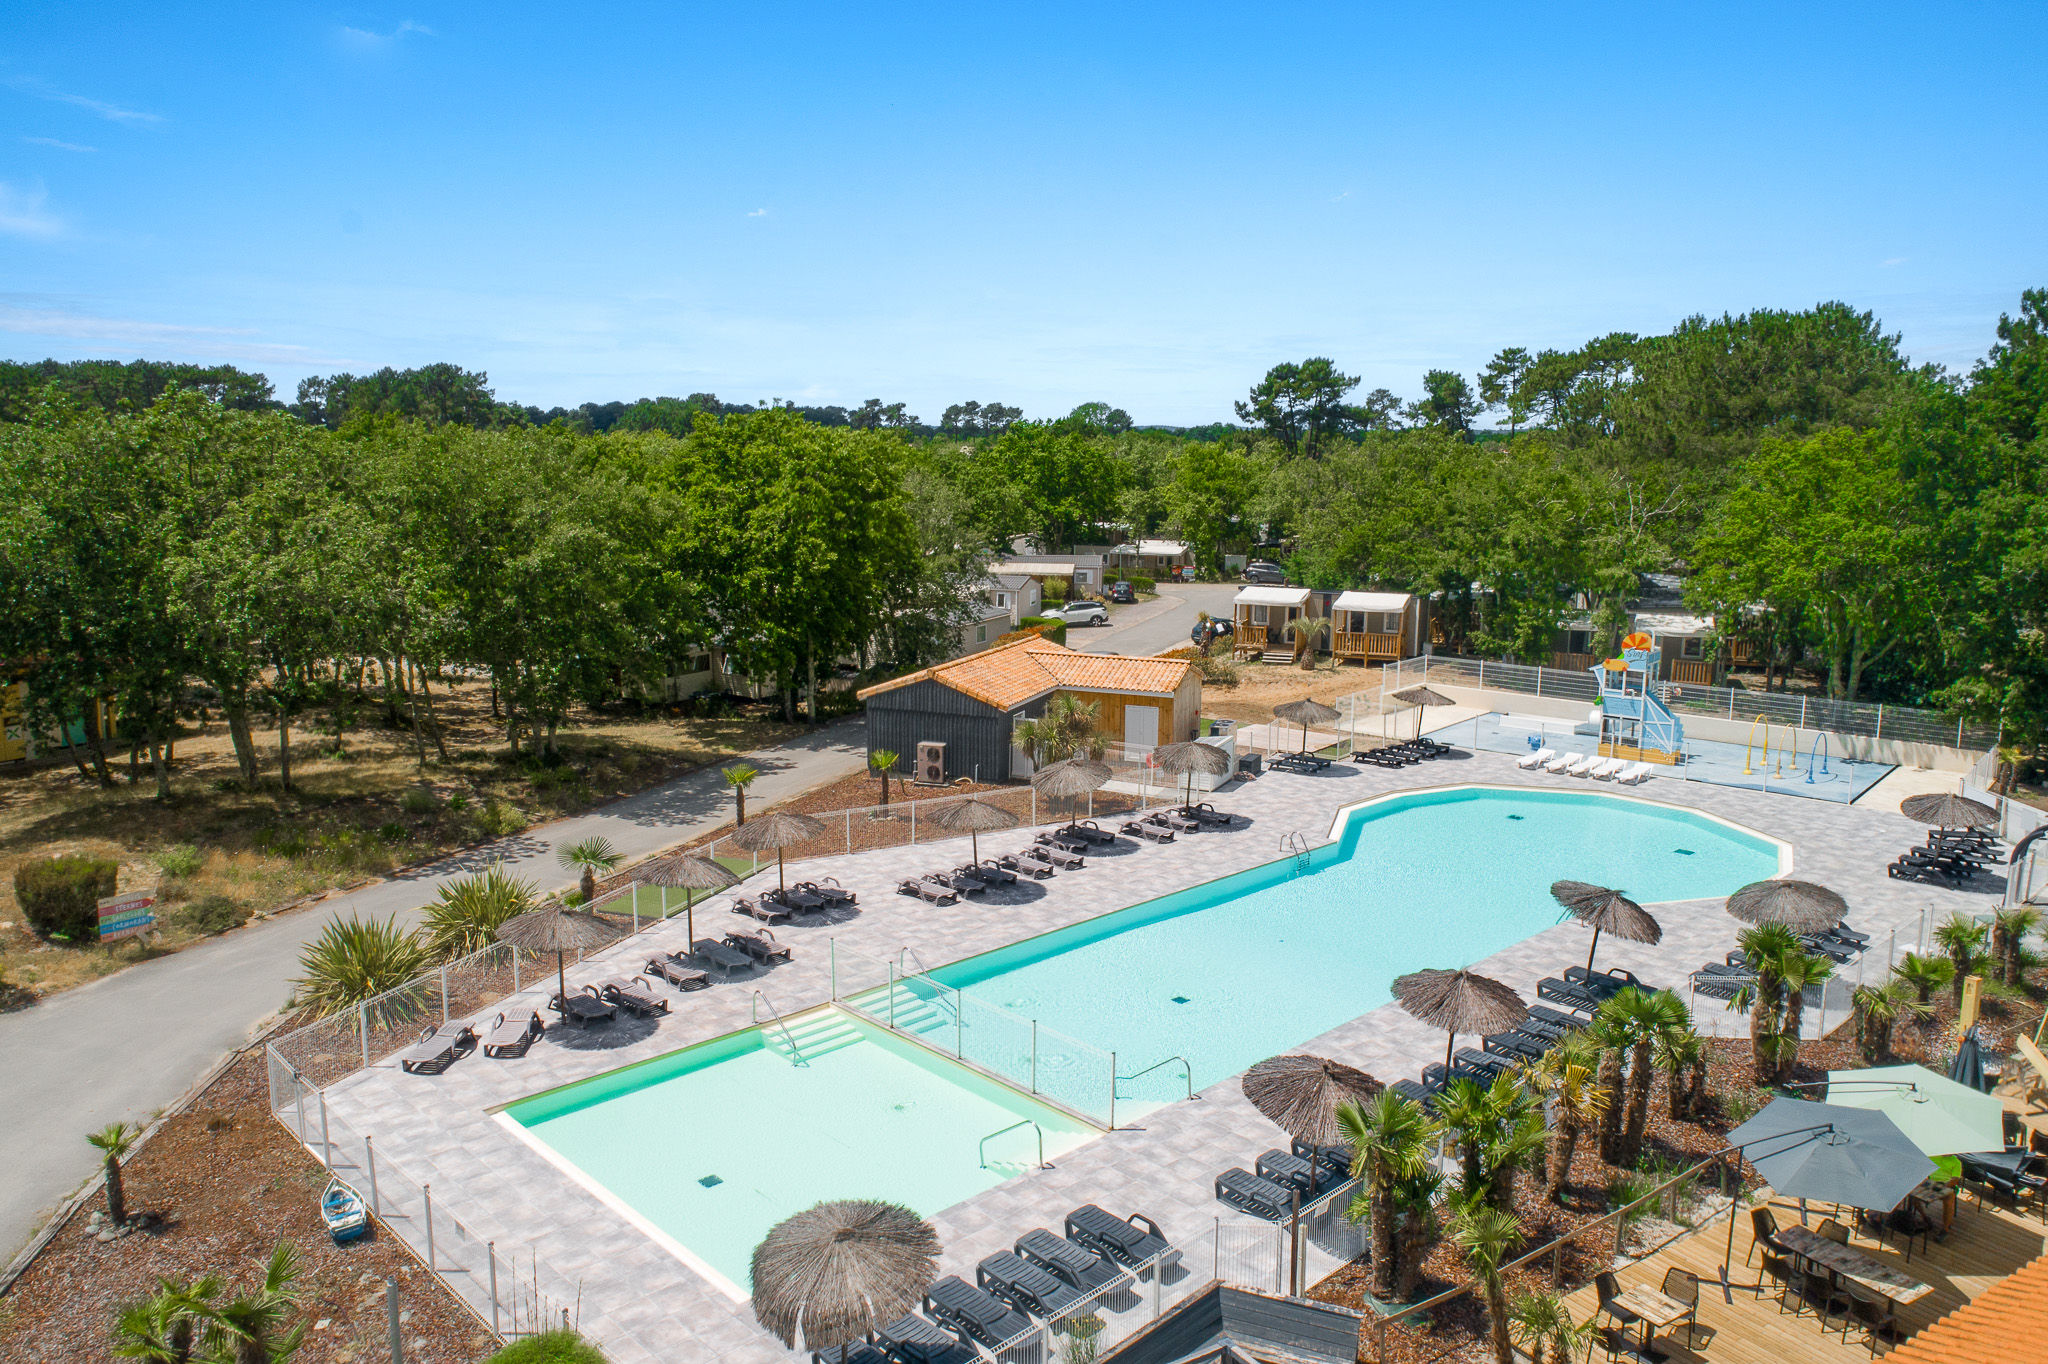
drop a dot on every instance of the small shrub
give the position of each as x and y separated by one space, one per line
393 834
549 1347
214 914
467 916
59 896
281 842
499 818
459 802
1054 630
1142 584
354 960
180 859
418 800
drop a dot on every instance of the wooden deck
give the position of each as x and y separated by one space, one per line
1985 1245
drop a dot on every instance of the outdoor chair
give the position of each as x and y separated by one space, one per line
1608 1289
585 1007
993 871
795 899
912 1339
763 909
1513 1045
1563 1021
1413 1092
976 1312
1563 992
761 946
1820 1292
1833 1230
1029 863
831 892
1619 1344
1145 829
927 890
1177 821
1023 1285
1130 1241
1763 1231
635 994
1877 1316
853 1352
676 974
1211 816
510 1037
1683 1286
1777 1267
1242 1189
1285 1168
1088 831
974 872
1335 1160
438 1047
1536 759
718 954
1071 1262
966 885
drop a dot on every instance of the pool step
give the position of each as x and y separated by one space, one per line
821 1033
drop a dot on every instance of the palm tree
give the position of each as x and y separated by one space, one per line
739 777
1798 972
1488 1235
1568 1076
1639 1018
1305 631
468 911
1416 1228
1682 1055
1068 727
114 1142
589 856
1613 1039
2009 929
1462 1114
1923 974
163 1329
1767 946
251 1329
881 762
1545 1327
1391 1139
1963 939
1877 1010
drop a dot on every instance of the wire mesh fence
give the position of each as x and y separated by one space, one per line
1082 1329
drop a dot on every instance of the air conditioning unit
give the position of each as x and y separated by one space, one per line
931 764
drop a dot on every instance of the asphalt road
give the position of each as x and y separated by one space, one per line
1147 627
127 1046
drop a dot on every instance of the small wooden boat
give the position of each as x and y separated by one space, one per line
342 1209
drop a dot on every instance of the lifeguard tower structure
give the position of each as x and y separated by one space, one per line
1634 721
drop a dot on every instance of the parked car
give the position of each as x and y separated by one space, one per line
1264 571
1080 613
1122 592
1206 630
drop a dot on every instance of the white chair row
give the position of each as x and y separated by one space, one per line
1587 765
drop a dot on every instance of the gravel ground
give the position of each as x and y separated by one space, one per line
223 1183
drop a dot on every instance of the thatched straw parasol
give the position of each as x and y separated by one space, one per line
1305 712
1301 1093
1422 698
974 818
689 873
1948 811
1186 759
1606 911
558 930
1459 1001
778 829
1801 906
1070 778
836 1271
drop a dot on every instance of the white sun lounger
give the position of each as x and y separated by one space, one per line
1635 773
1536 759
1605 768
1577 766
1561 762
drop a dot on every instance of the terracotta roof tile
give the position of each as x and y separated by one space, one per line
2007 1322
1011 674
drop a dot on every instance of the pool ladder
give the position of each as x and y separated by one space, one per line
1297 844
796 1053
1187 1072
1030 1123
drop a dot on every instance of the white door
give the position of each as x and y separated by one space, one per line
1141 726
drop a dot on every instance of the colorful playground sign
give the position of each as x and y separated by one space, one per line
124 916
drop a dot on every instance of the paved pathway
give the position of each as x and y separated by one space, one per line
1159 624
125 1046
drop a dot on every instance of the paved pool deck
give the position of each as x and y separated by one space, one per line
643 1304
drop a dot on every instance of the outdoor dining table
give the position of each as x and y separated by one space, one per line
1656 1310
1853 1265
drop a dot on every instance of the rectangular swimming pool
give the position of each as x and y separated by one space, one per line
707 1148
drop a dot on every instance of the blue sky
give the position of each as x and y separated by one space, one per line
1037 204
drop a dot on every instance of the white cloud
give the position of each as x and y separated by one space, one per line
113 113
22 213
225 343
364 39
758 213
1894 261
60 145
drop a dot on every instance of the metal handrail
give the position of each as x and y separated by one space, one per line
754 1006
911 952
1186 1070
1031 1123
1294 841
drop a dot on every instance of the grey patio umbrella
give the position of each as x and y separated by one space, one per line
1188 758
1422 698
1801 906
1606 911
1460 1001
1305 712
689 873
1948 811
973 817
560 931
835 1271
1070 778
1968 1066
776 830
1301 1093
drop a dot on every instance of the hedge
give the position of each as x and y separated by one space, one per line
549 1347
1050 627
59 896
1143 585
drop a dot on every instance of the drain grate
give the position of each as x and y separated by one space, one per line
1180 999
711 1181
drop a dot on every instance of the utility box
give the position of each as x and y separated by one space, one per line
931 763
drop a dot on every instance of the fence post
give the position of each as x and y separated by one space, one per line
1802 710
299 1101
491 1252
444 996
427 1199
913 823
326 1150
1482 674
849 831
391 1323
1959 733
1112 1098
1034 807
1731 703
1539 681
370 1163
832 949
1557 1263
1034 1056
1880 721
515 967
363 1029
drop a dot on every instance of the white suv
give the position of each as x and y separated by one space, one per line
1080 613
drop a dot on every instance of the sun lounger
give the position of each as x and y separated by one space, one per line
1176 821
1476 1064
925 889
1721 986
1603 983
1841 954
1334 1161
1605 768
1067 856
585 1007
1577 766
1071 1262
438 1046
1032 864
992 872
1413 1092
1563 992
831 892
635 994
1380 757
512 1036
1303 1174
715 953
795 899
1432 747
1144 828
761 946
1562 761
1536 759
1566 1022
853 1352
1088 831
1132 1242
764 909
913 1339
1635 773
1023 1285
1843 933
676 974
1210 816
1907 870
976 1312
1299 762
1242 1189
1515 1046
965 885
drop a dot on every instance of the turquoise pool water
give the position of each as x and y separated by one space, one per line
1250 966
713 1145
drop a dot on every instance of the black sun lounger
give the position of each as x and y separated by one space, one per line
725 958
795 899
1131 1242
1060 852
927 890
1023 1285
1335 1161
831 892
1141 828
1240 1188
585 1007
1071 1262
512 1036
1565 1022
853 1352
966 885
1088 832
633 993
979 1314
1563 992
676 974
975 874
1289 1171
912 1339
437 1047
1029 863
1413 1092
764 909
1515 1046
1208 814
1476 1064
1179 821
762 946
992 870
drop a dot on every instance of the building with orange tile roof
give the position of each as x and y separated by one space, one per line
2006 1323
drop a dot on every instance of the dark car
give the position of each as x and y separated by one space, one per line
1122 592
1264 571
1206 630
